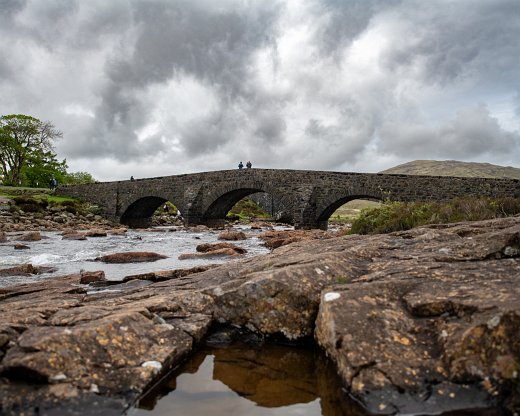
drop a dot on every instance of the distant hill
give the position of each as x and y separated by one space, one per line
455 168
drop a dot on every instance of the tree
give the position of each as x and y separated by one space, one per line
41 167
21 137
76 178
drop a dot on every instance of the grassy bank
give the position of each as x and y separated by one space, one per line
37 199
397 216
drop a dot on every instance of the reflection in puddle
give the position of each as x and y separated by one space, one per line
242 380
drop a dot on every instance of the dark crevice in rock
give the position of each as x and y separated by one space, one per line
358 369
22 373
4 294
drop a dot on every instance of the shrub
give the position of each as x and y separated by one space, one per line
397 216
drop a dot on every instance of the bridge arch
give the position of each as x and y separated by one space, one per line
220 200
333 203
139 213
216 213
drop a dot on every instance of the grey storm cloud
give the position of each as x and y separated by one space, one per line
303 84
471 133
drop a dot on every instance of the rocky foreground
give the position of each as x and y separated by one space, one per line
425 320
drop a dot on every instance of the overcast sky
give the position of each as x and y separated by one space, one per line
161 87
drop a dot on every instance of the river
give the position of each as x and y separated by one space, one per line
72 256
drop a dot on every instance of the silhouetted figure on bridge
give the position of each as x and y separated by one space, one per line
249 165
240 165
132 178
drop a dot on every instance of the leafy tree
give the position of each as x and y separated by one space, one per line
23 137
41 167
78 178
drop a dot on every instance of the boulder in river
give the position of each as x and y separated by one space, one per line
208 247
131 257
26 270
30 236
232 235
92 277
74 236
96 233
225 251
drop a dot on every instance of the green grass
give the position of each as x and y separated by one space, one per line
59 200
38 195
246 209
397 216
351 210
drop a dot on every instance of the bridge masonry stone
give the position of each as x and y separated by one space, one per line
308 197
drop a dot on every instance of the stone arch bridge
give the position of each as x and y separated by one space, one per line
308 197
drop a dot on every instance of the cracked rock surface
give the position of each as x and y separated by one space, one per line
419 321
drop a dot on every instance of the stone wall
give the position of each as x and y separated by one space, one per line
310 197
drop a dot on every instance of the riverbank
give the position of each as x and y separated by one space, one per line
419 321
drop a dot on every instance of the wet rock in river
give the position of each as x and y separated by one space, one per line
232 235
131 257
78 236
92 277
208 247
96 233
30 236
213 253
26 270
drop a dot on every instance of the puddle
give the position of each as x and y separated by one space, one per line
243 380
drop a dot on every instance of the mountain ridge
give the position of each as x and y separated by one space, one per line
454 168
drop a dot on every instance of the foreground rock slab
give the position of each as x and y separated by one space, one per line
419 321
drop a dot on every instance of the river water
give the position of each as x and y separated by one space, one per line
72 256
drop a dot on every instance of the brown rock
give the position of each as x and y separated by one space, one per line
67 231
131 257
21 247
3 237
131 348
214 253
91 277
22 270
207 247
26 270
30 236
96 233
118 231
74 236
232 235
274 239
169 274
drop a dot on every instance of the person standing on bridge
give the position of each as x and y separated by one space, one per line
249 165
240 165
